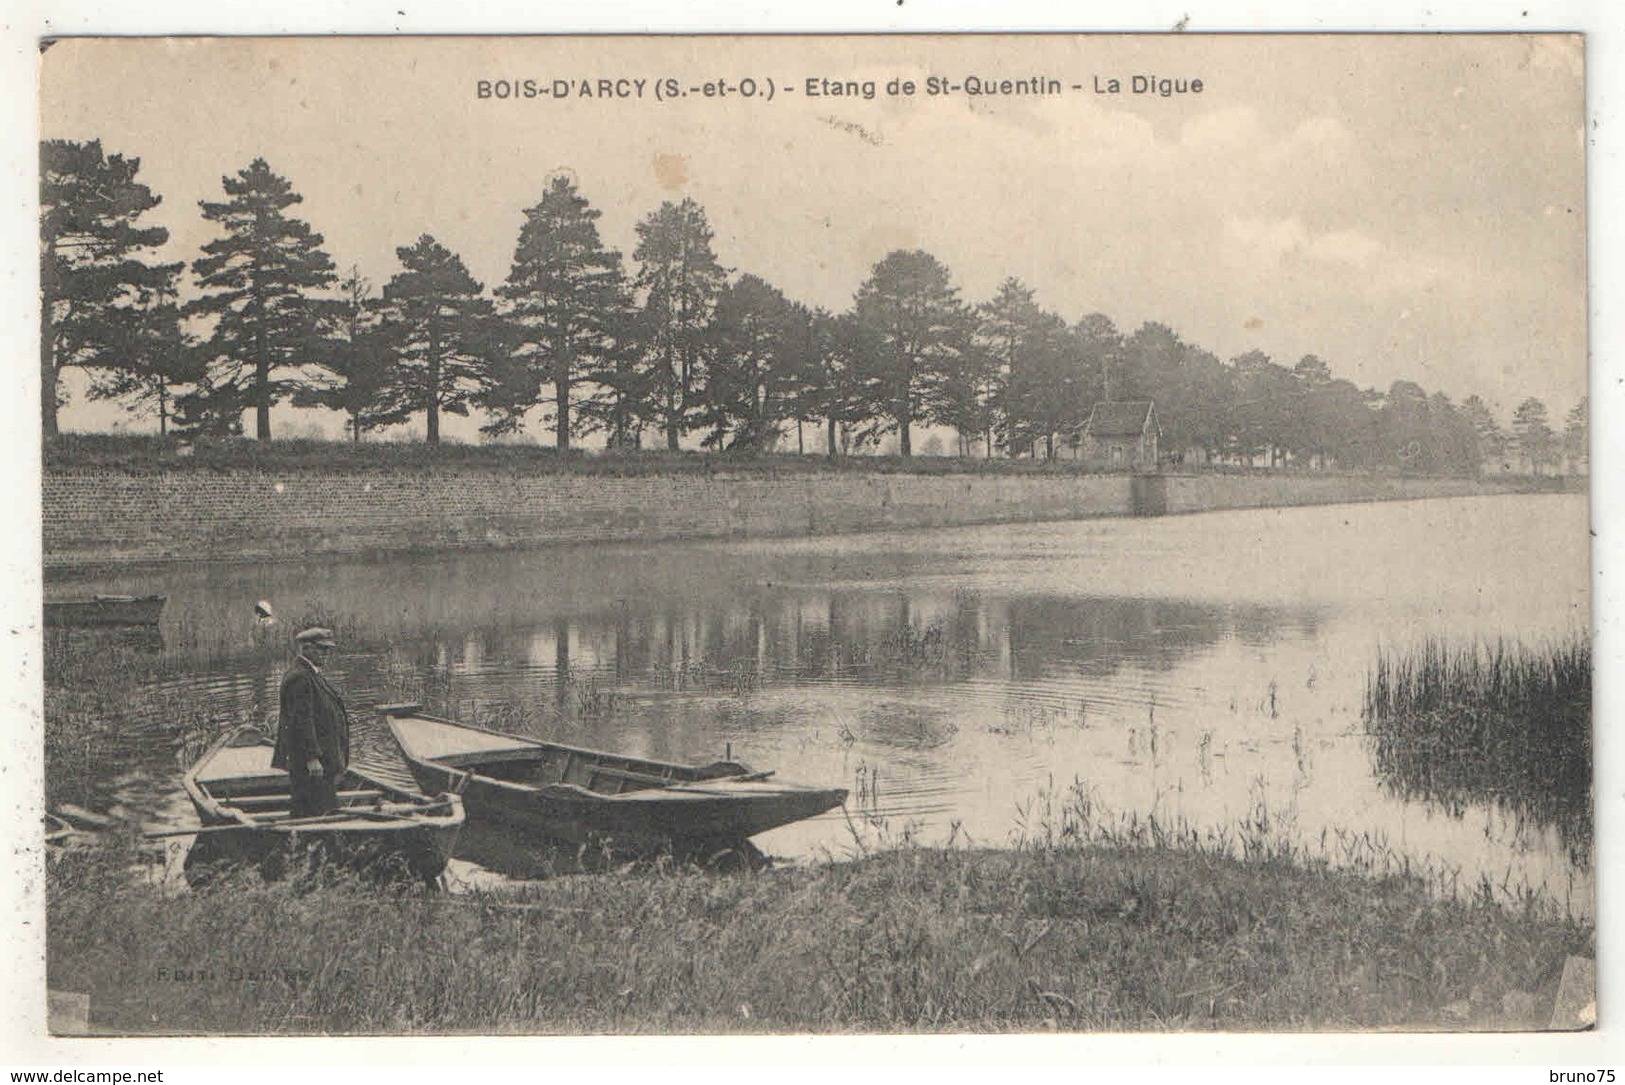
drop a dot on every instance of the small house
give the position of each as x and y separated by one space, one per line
1122 436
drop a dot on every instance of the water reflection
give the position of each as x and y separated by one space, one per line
1193 667
895 637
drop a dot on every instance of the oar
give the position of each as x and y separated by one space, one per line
200 831
294 823
374 815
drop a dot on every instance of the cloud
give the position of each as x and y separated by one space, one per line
1349 247
1374 268
1223 128
1270 239
1275 239
1323 133
1320 151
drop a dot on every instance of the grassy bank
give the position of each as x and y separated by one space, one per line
122 452
1073 938
132 453
1492 722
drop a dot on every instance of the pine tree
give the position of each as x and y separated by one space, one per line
1031 369
758 342
260 282
1491 439
566 298
443 333
804 368
912 331
1531 428
105 307
1577 436
1309 434
844 393
357 363
1180 378
160 362
681 283
616 407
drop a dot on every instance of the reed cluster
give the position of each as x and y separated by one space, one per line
109 707
1501 722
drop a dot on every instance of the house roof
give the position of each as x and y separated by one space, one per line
1120 419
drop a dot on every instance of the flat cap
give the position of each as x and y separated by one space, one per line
315 635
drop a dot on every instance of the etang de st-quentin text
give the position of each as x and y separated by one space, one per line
669 88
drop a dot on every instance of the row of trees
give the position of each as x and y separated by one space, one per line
678 346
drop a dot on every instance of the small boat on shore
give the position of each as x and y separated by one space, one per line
244 805
559 794
106 610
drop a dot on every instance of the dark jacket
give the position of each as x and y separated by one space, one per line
312 723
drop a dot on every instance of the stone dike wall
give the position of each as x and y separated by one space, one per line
1201 493
107 518
117 518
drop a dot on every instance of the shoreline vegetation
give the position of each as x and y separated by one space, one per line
1089 921
1496 721
1063 935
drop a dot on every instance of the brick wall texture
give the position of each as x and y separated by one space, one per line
93 518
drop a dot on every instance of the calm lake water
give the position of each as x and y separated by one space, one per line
960 682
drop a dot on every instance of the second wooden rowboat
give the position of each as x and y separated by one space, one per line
105 610
559 794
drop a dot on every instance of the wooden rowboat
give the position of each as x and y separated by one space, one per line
105 610
559 794
244 805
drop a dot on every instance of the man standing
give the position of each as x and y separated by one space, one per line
313 730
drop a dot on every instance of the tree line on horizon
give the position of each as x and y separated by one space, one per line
675 347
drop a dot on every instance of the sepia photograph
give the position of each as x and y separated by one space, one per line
710 535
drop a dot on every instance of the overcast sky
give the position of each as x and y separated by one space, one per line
1405 207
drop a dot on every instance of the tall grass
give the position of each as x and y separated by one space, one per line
1055 820
1494 722
1073 937
102 710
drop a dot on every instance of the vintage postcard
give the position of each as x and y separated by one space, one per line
909 534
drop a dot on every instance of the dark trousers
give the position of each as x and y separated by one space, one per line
314 795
